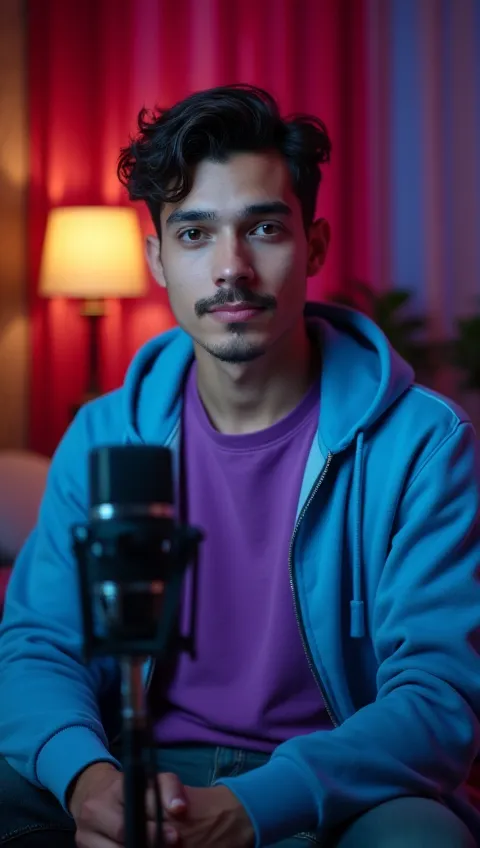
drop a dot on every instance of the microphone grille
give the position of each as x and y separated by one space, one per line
130 474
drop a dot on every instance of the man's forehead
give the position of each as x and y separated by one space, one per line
240 182
253 171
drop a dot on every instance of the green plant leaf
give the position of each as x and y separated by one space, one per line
394 299
386 309
467 350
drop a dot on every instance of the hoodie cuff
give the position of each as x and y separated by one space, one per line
278 800
67 754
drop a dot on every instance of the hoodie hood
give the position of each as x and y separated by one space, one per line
362 376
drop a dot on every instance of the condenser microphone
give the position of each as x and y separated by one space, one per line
132 554
131 565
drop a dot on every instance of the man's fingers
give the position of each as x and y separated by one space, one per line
170 836
86 839
103 820
172 796
172 793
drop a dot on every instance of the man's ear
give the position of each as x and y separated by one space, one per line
152 251
318 242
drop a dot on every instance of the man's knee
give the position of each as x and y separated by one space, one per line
408 823
31 816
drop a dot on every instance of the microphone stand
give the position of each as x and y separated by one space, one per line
135 742
131 566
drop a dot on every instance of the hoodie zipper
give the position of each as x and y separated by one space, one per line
296 605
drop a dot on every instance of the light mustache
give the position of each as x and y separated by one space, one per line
231 297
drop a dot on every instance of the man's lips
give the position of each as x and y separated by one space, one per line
235 307
235 312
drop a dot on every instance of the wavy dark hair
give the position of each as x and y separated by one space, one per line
157 165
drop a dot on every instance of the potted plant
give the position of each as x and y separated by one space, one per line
390 311
467 358
467 351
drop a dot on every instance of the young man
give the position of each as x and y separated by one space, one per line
336 692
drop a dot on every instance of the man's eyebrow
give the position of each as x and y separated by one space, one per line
190 216
272 207
194 216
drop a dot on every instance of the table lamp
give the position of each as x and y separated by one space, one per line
92 253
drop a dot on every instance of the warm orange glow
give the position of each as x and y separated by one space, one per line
93 252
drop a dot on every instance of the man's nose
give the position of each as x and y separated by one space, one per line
232 263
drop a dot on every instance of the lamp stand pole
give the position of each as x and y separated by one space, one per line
93 310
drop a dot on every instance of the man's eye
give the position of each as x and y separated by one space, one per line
193 234
267 230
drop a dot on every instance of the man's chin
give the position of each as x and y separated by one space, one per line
235 353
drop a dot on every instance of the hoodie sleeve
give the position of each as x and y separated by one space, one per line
50 726
421 734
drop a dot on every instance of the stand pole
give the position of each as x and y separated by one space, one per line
134 747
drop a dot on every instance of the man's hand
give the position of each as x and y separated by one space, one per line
214 818
97 806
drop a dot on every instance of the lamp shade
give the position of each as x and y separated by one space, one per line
93 252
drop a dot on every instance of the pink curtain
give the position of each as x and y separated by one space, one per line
94 64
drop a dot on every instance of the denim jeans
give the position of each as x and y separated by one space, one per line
32 818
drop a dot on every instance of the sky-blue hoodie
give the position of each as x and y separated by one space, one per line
385 569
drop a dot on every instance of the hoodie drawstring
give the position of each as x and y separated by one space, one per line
357 612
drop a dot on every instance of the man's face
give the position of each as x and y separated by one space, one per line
234 256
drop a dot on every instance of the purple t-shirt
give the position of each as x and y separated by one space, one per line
251 685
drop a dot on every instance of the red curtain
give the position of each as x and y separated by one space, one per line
94 64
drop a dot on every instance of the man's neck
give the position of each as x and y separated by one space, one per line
248 397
